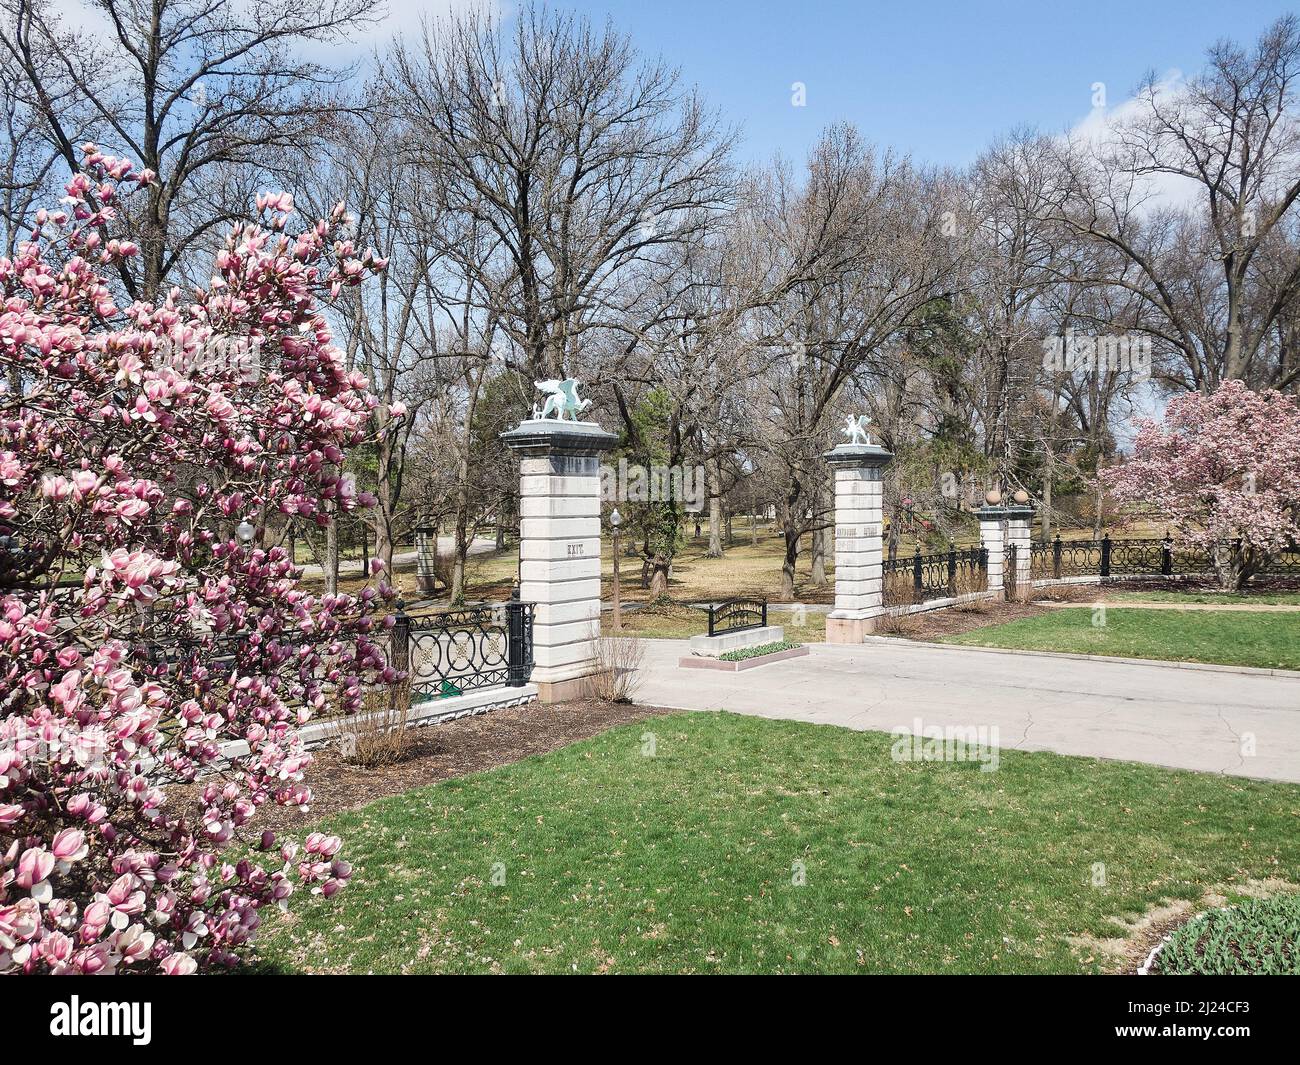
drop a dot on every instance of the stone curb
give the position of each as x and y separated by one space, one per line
1203 667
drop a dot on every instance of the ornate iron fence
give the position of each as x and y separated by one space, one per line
455 651
1068 558
1285 563
1149 557
737 615
941 575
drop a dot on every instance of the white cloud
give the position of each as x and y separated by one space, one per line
404 17
1098 127
392 17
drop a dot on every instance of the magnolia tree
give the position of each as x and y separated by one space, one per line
148 638
1224 470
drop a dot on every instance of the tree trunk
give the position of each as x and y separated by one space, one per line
659 568
791 531
387 493
332 557
820 547
460 533
818 577
715 511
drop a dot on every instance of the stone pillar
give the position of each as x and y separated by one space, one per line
1020 517
859 517
559 548
993 540
426 559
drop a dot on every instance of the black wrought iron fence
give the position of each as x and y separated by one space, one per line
737 615
937 576
454 651
1286 563
1140 557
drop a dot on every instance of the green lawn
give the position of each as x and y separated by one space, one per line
1237 638
677 621
612 859
1159 595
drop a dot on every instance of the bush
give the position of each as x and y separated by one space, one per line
142 459
618 660
897 590
378 734
1257 937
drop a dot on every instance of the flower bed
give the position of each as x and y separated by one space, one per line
1258 937
746 657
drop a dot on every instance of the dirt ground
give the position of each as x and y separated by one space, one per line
450 749
956 620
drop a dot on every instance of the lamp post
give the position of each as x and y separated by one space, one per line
245 530
615 520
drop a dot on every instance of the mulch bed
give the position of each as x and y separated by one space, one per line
450 749
954 620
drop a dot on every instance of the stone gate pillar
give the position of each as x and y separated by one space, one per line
859 517
992 518
559 547
1003 525
1020 517
426 559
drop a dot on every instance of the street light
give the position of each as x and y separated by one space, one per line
615 520
245 530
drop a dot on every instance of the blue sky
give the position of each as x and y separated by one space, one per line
937 79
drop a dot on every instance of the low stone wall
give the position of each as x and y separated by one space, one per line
941 604
429 712
712 646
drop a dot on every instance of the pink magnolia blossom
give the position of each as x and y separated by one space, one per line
128 459
1223 471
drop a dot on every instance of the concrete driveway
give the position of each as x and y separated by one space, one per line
1183 718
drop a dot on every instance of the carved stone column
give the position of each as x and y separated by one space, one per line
559 547
859 544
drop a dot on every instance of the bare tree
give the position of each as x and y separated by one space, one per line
863 244
1222 277
203 93
579 158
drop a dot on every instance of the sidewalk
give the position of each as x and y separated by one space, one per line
1105 709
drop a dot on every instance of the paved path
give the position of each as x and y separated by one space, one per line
1188 719
480 545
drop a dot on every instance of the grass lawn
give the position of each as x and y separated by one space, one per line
1158 595
678 622
745 569
615 860
1232 638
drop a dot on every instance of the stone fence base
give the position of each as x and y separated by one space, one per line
429 712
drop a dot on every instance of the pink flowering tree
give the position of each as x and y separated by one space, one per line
148 636
1224 471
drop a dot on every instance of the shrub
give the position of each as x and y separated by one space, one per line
379 733
897 591
617 674
140 632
